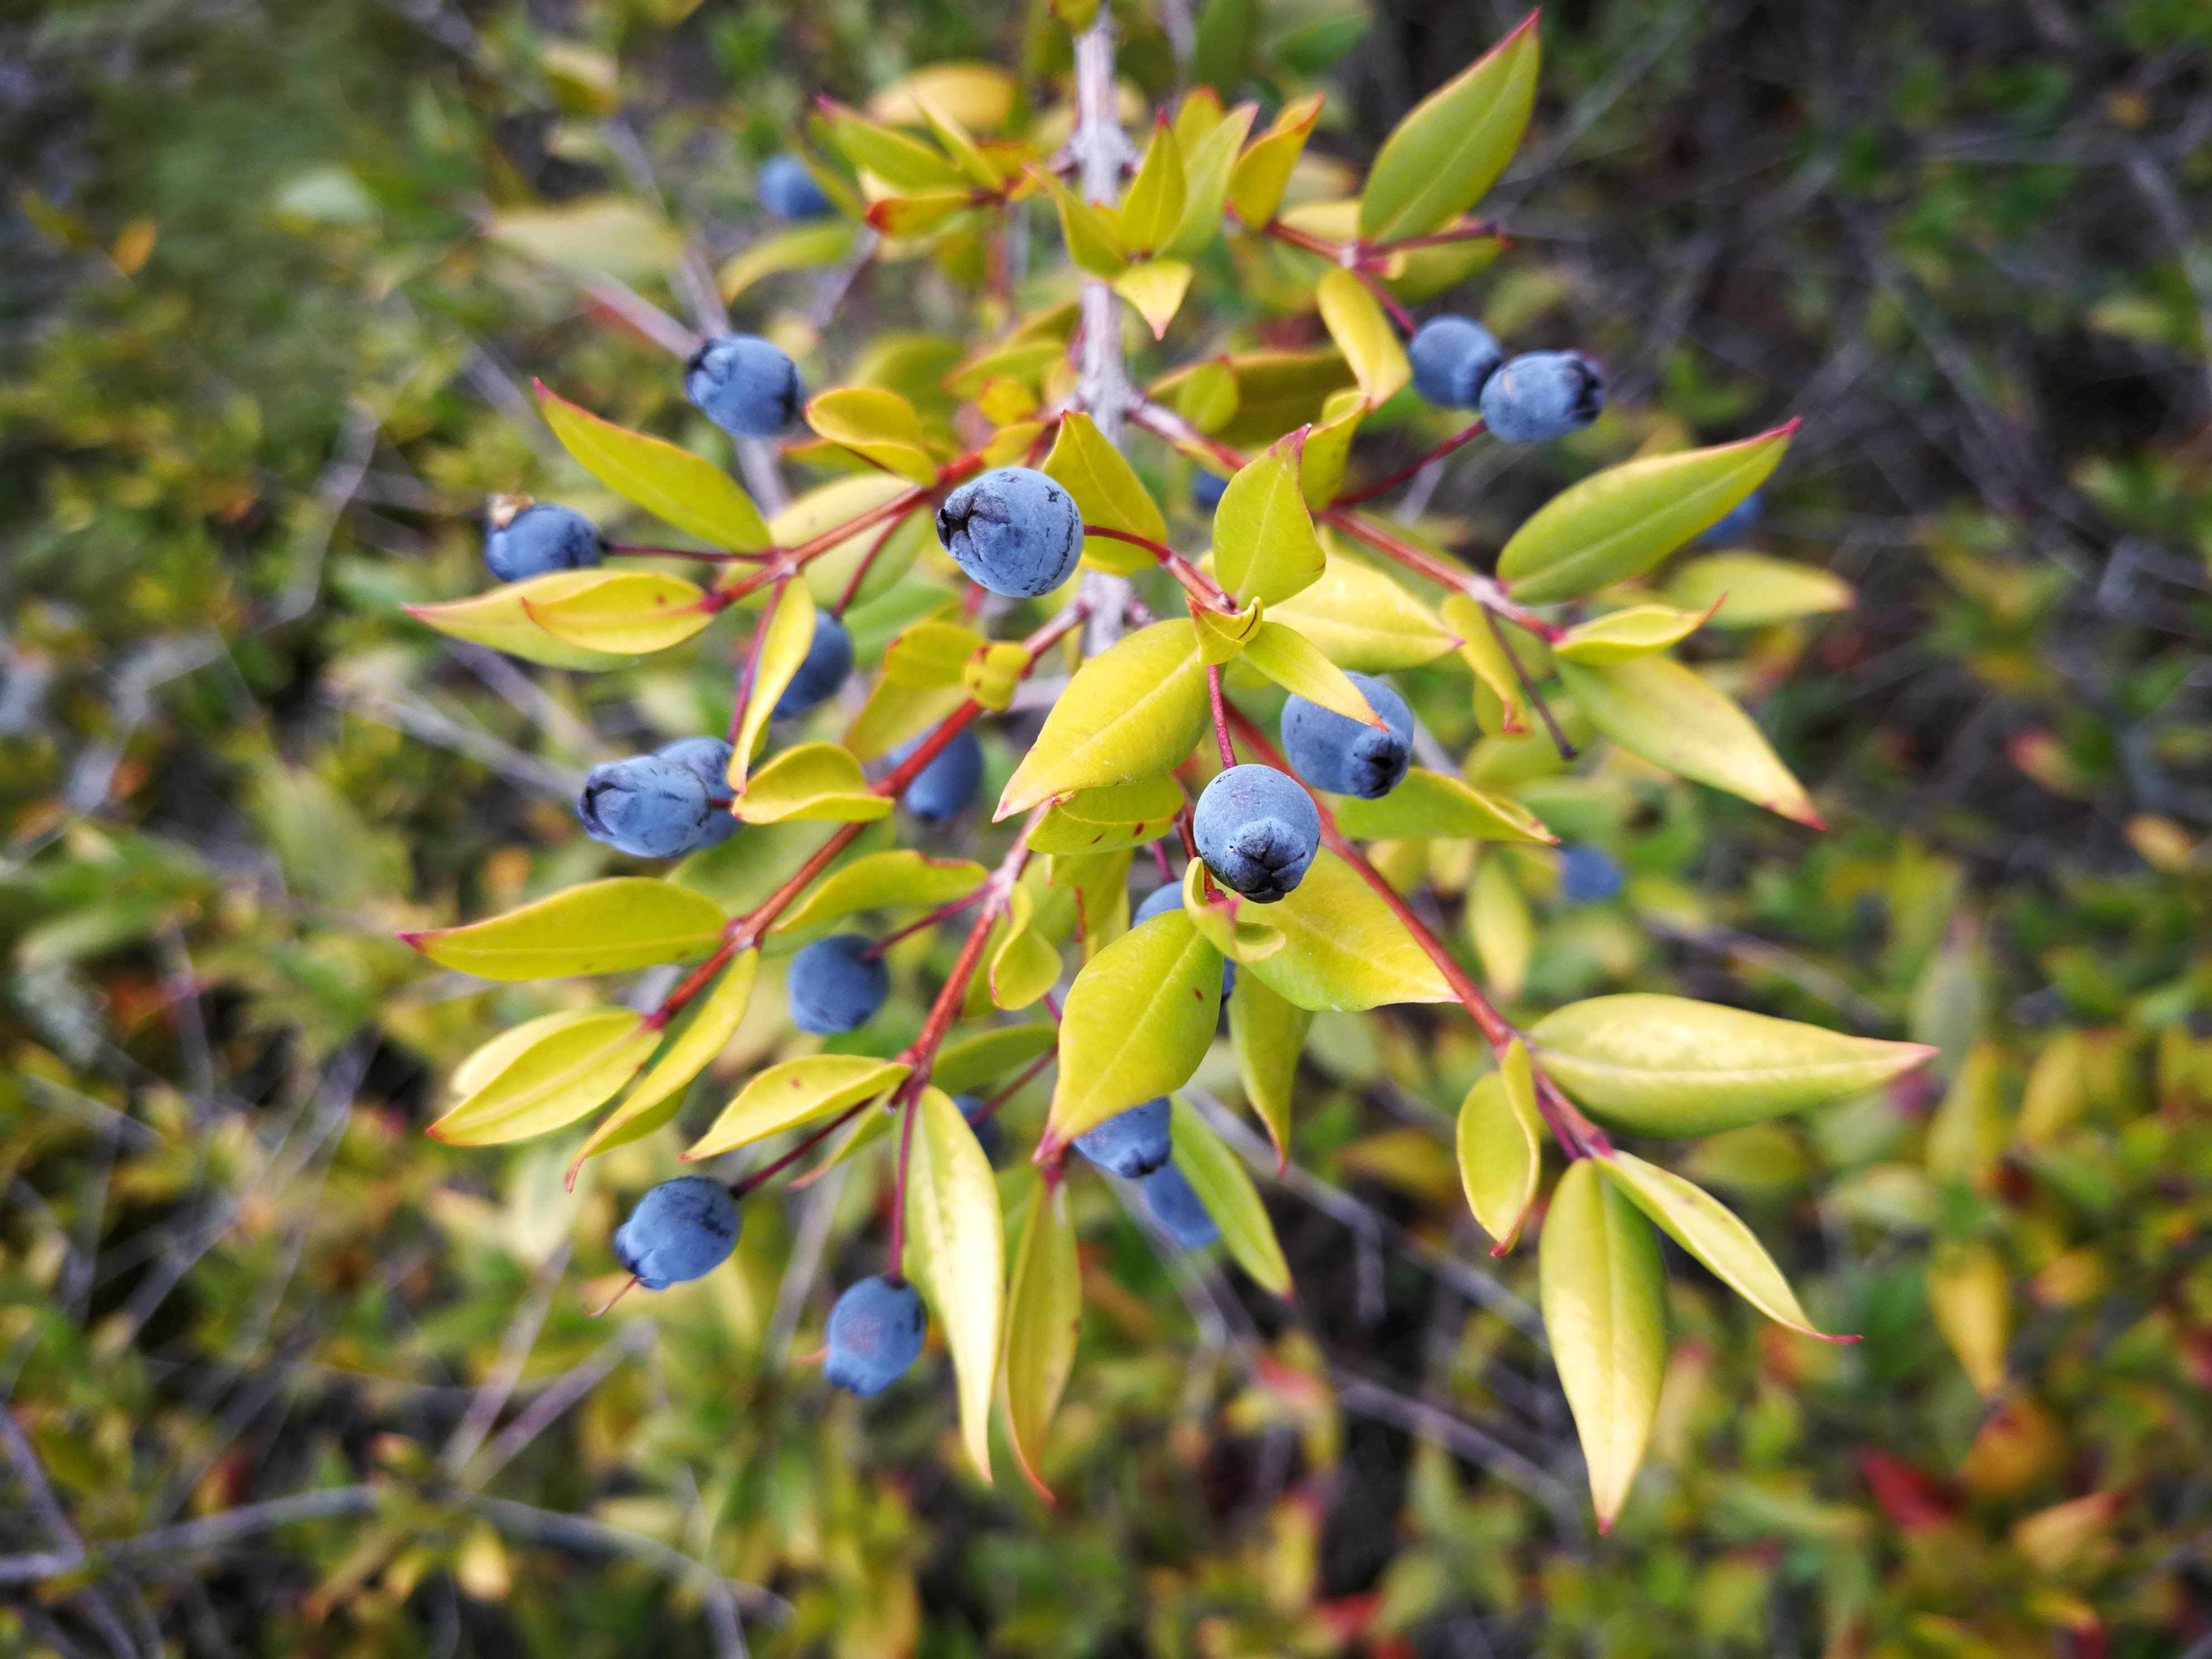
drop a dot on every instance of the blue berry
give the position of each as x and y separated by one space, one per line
650 807
1737 521
828 658
1167 897
1257 831
836 985
709 757
1179 1209
1588 875
1130 1144
988 1135
1206 489
788 191
1013 530
1341 756
1452 357
1543 395
944 788
532 538
745 385
875 1334
681 1230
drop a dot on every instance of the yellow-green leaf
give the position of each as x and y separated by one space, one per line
1363 334
899 880
1264 543
1453 144
1430 805
798 1091
1107 491
1342 948
1328 447
1752 591
674 485
1620 522
1128 713
820 511
956 1250
786 634
563 1074
1221 636
802 247
1294 663
916 215
1155 288
1025 966
902 161
815 783
1710 1232
1217 1176
1624 636
1672 716
1501 1147
1098 882
1256 182
1499 928
1207 397
1208 161
501 619
1236 927
981 96
1044 1313
601 928
1604 1297
659 1092
873 421
1362 619
1485 656
1153 206
958 143
1137 1020
1267 1032
1971 1297
1669 1066
990 675
988 1055
1094 241
624 611
492 1058
1101 820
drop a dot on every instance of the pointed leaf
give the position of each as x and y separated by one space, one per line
1362 620
900 879
1216 1175
1970 1295
1267 1033
1044 1313
563 1074
802 247
623 612
1221 636
786 634
1025 966
1208 163
1486 660
958 143
1437 162
1094 241
493 1058
659 1093
1342 948
1108 492
1155 288
815 783
1499 928
957 1248
1101 820
1749 590
501 619
1294 663
1255 184
1137 1020
798 1091
1329 448
875 422
1128 713
1501 1147
1624 636
1264 543
902 161
674 485
1363 334
601 928
1153 207
1427 806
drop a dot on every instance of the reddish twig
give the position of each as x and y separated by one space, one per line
753 1178
943 912
1195 582
1352 498
860 570
1567 750
1220 717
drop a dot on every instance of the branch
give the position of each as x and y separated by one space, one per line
1099 146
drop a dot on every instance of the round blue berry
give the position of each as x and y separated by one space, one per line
1341 756
875 1334
1179 1209
1013 530
681 1230
649 807
744 384
1257 831
944 788
1452 357
1167 897
1543 395
1738 521
788 191
1588 875
836 985
537 538
1131 1143
988 1135
828 658
709 757
1206 489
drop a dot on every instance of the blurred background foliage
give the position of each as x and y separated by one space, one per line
284 1377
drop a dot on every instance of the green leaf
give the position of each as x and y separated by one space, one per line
494 1057
1620 522
1625 636
1132 711
1486 660
674 485
1094 241
1044 1314
1668 1065
956 1246
1267 1032
1107 492
1294 663
1501 1147
1153 207
1139 1019
903 162
1235 927
1025 966
786 634
1221 50
1206 396
1672 716
1604 1299
1155 288
1429 805
1499 928
1363 334
1361 619
899 880
561 1074
986 1056
1749 590
1328 447
1217 1176
959 143
918 215
1255 184
1342 948
1103 820
1222 638
1099 883
798 1091
1208 166
623 612
815 783
878 424
601 928
1709 1230
1264 545
1450 148
802 247
659 1092
501 619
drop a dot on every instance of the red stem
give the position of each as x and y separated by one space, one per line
638 550
1354 497
1220 718
1388 300
1029 1076
1469 230
1195 582
943 912
860 570
753 1178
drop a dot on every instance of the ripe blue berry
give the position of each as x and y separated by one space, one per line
681 1230
1257 831
744 384
708 757
1179 1209
649 807
1737 521
875 1334
1013 530
1130 1144
828 658
525 539
1588 875
988 1135
834 985
1452 357
1543 395
1343 756
1167 897
1206 489
944 788
788 191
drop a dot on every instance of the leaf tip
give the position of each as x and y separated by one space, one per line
413 941
1841 1339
